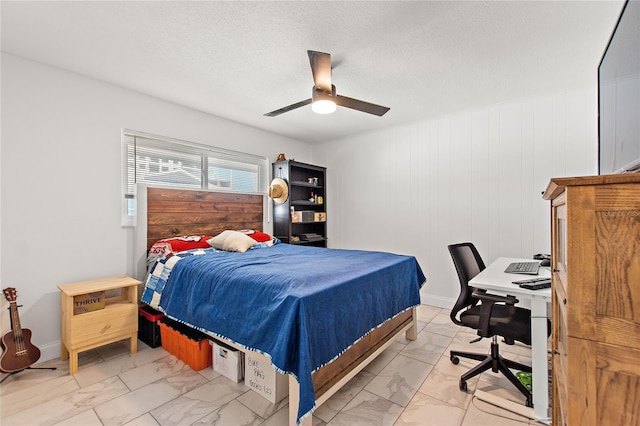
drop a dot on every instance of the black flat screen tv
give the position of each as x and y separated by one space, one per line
619 96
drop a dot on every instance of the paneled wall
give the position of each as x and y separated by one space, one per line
474 176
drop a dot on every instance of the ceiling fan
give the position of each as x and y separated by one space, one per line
323 94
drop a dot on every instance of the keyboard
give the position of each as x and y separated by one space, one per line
523 268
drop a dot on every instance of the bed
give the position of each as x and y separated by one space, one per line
319 315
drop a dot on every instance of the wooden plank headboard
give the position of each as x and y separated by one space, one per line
175 212
169 212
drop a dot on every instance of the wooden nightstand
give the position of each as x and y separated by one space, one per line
118 320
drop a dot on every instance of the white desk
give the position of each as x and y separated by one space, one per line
495 280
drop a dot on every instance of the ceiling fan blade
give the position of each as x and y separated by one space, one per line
321 69
363 106
288 108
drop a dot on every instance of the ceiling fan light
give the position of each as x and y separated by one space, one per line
323 106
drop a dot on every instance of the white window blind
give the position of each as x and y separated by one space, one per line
156 160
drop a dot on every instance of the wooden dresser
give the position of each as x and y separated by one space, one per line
596 299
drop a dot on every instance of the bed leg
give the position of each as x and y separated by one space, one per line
308 421
294 400
412 332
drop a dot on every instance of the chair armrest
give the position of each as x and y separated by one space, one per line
487 302
473 291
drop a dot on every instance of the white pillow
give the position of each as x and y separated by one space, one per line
232 241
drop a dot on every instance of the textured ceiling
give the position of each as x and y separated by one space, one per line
239 60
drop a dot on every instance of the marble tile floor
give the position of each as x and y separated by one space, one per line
411 383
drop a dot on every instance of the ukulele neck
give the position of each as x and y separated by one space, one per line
15 320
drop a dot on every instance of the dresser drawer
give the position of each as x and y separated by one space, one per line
617 387
559 351
559 327
560 396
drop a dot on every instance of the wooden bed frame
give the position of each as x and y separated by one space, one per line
164 213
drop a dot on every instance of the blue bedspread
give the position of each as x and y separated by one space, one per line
302 306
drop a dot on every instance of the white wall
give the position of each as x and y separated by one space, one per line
474 176
413 189
60 165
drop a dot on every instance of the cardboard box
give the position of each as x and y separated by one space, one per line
228 361
320 217
299 216
262 378
89 302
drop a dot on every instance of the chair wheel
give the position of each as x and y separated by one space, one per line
454 359
463 385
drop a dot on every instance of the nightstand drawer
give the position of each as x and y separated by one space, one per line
98 325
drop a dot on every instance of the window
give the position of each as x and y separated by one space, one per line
161 161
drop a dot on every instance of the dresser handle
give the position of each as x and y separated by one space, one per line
564 301
556 270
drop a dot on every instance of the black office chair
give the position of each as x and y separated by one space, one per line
491 315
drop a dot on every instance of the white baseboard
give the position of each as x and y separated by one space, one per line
49 351
438 301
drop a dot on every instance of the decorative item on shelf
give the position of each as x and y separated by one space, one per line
313 181
319 200
313 198
279 190
281 157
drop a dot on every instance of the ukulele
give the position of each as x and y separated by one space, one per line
18 351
